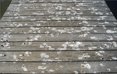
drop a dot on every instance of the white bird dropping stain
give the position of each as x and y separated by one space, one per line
15 57
24 68
27 53
114 58
85 55
114 44
44 55
98 54
101 64
76 72
51 70
110 31
41 67
86 65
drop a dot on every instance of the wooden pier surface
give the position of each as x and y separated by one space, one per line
58 37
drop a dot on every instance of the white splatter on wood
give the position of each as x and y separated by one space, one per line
41 67
94 38
101 64
27 53
114 58
76 72
51 70
98 54
110 31
86 55
114 44
44 55
86 65
24 68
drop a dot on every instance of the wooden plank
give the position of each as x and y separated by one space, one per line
58 37
58 23
49 30
24 18
19 8
58 56
29 1
60 67
60 4
108 73
35 46
50 39
57 18
37 1
34 13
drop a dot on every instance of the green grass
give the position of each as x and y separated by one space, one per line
3 6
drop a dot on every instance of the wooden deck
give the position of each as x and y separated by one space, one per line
58 36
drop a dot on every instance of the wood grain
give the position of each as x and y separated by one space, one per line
56 46
59 24
58 37
60 67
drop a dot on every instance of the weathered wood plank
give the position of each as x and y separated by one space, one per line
60 67
58 23
37 1
107 73
67 13
49 30
19 46
58 37
51 24
60 4
12 8
57 18
58 56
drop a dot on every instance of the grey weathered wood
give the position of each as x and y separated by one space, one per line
60 67
58 56
107 73
50 30
57 18
58 37
67 13
12 8
58 23
62 4
36 46
30 1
